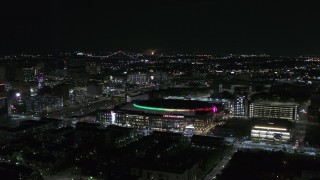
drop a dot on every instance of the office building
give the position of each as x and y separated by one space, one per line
2 74
3 103
62 91
270 134
30 74
314 109
94 89
288 111
3 108
144 78
38 104
240 107
29 127
139 78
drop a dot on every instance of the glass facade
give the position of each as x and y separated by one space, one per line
270 134
273 110
160 122
240 104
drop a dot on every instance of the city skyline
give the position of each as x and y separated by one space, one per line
162 89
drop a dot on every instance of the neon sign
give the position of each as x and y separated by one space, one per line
214 109
172 116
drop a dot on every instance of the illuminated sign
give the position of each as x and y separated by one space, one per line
213 109
269 128
172 116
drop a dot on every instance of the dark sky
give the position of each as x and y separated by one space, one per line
288 27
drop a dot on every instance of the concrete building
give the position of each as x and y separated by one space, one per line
3 103
240 107
137 96
157 76
3 108
38 104
93 68
62 91
29 127
186 171
314 109
110 137
288 111
139 78
30 74
94 89
143 78
163 115
272 134
2 74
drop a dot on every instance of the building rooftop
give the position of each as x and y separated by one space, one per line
174 104
275 103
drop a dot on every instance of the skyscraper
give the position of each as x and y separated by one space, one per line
3 103
240 105
314 109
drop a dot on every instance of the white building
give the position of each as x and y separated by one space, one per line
270 134
274 110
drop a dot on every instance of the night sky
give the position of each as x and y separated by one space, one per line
213 26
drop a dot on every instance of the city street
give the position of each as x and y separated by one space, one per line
253 145
221 164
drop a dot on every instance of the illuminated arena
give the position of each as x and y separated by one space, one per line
163 114
169 105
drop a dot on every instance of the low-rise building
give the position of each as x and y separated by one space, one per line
185 171
38 104
29 127
272 131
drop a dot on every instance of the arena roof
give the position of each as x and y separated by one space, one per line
175 105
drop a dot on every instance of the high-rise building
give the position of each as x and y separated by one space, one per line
93 68
138 78
3 108
240 108
3 103
2 88
141 78
314 109
94 89
241 102
278 110
62 91
2 74
38 104
30 74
